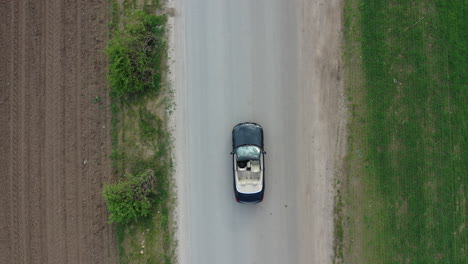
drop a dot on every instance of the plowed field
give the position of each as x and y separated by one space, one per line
55 139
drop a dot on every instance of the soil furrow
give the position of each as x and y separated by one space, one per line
5 108
87 140
16 66
71 127
97 116
54 133
34 131
84 148
21 165
42 158
78 94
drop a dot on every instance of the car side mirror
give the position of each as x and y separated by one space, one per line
232 153
264 152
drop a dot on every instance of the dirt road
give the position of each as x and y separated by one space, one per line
276 63
55 142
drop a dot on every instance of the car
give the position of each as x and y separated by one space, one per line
248 160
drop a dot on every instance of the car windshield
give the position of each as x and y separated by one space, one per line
248 153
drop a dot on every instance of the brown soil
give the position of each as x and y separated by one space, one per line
55 142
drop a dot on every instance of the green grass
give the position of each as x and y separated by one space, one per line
140 134
406 183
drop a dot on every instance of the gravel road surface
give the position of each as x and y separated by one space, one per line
277 63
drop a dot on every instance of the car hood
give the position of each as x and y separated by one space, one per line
247 134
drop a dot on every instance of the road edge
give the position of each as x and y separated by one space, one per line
177 123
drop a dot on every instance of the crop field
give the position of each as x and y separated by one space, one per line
55 139
404 193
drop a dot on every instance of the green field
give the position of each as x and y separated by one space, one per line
404 192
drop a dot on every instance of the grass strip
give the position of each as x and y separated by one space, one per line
141 101
405 188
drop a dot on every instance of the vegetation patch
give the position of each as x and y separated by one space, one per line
136 55
131 198
140 199
404 192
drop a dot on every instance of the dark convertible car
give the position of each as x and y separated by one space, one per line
248 162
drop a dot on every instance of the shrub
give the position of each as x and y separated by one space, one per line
130 199
136 55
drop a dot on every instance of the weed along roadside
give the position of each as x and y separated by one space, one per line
139 199
403 196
